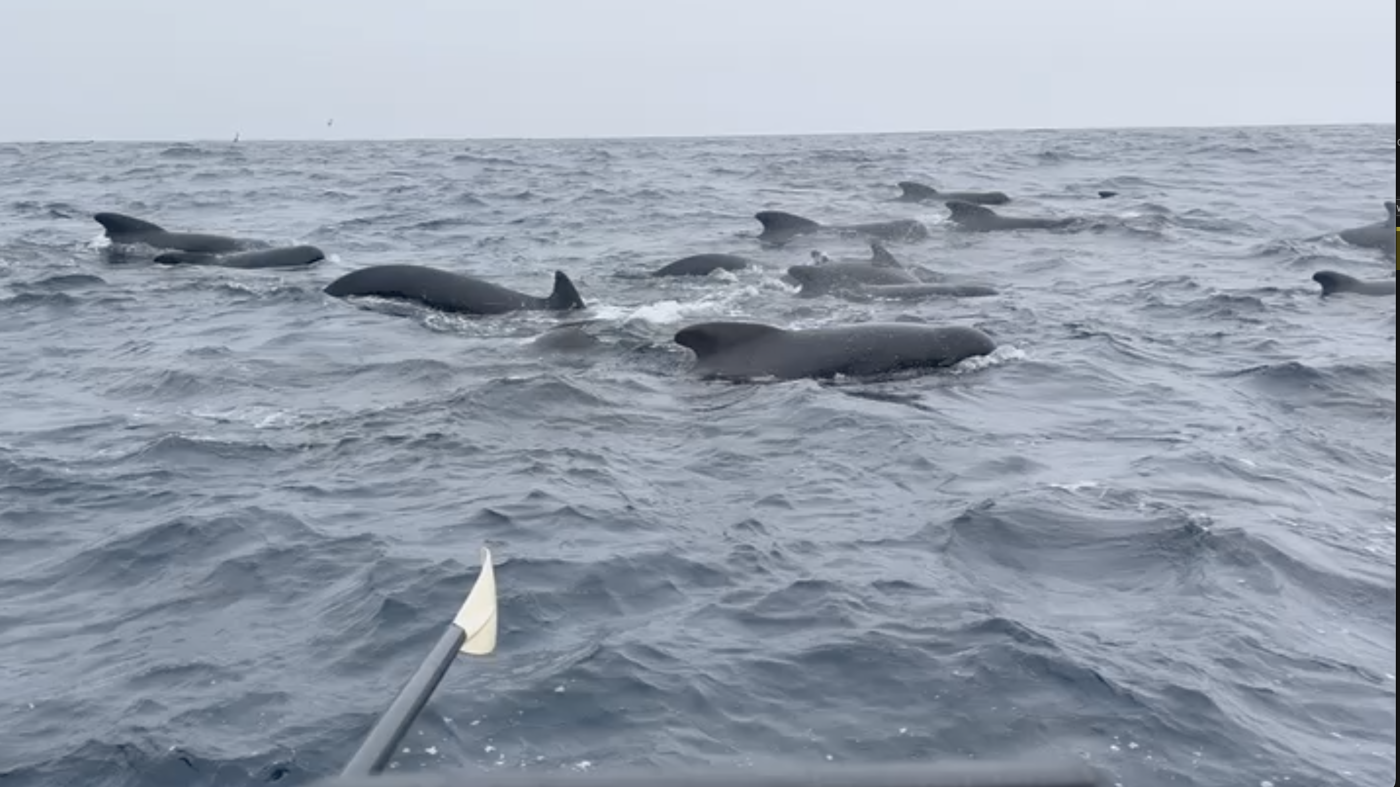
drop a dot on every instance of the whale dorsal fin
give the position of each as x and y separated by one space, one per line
711 338
565 295
117 224
967 210
778 221
914 190
1333 281
1390 208
881 256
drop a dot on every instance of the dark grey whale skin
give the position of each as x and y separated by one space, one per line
125 229
918 192
780 227
832 277
451 292
978 218
285 257
745 350
705 264
1334 283
1380 235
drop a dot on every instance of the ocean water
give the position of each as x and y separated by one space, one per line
1155 530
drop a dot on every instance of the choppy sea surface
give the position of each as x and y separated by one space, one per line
1155 530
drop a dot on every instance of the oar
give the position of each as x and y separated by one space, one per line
472 632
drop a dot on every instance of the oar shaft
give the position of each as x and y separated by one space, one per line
383 740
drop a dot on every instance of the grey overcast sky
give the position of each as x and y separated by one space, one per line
205 69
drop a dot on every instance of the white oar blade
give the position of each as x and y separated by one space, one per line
477 617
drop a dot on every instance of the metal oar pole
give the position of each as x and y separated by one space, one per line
473 632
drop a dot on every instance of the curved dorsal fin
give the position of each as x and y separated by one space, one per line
711 338
881 256
1333 281
779 221
565 296
116 224
914 190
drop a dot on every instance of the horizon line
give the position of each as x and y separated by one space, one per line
721 135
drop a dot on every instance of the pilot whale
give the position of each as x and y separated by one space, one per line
825 276
1380 235
286 257
750 350
451 292
1333 283
705 264
982 219
918 192
128 230
780 227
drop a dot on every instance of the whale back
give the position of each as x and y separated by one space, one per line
918 192
448 291
186 258
820 279
284 257
704 265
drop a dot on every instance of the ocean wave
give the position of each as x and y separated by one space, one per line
1154 530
